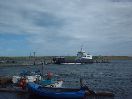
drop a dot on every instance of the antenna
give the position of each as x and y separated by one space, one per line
81 47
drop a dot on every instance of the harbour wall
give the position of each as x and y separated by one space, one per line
38 60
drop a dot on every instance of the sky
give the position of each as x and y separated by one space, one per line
62 27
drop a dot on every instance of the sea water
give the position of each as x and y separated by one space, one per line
115 77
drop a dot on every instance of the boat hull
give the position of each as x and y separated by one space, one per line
55 93
72 61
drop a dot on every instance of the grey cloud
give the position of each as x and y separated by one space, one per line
43 19
66 24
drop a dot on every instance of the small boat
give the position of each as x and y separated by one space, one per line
26 77
29 76
55 93
33 78
51 83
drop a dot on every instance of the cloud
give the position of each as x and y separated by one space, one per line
60 27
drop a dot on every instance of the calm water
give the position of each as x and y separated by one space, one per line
115 76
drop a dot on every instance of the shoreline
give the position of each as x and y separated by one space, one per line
38 60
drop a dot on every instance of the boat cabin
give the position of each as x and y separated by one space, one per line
83 55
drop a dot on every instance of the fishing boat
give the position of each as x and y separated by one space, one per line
46 80
28 76
55 93
51 83
65 93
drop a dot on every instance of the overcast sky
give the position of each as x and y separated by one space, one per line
61 27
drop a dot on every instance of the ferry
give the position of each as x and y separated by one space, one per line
81 58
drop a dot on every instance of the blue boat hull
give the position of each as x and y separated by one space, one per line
56 93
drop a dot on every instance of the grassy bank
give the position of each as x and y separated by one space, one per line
106 57
24 61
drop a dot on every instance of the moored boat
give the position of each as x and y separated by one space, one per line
47 81
81 58
56 93
28 76
51 83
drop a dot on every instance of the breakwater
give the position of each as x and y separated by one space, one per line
22 61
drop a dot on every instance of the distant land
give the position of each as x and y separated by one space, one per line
118 57
47 57
37 60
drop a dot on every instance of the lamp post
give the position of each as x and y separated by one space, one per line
34 57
